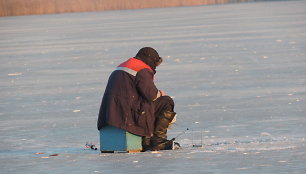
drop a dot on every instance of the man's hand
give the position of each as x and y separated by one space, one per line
162 93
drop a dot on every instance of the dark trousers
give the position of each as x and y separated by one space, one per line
163 104
164 114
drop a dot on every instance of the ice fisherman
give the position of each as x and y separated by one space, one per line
132 102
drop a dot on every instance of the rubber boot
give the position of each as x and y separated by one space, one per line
159 140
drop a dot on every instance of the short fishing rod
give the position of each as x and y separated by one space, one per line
180 134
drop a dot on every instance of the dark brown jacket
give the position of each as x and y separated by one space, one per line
128 99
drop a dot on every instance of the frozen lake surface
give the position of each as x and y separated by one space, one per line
237 73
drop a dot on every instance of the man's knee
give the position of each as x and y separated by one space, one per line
168 101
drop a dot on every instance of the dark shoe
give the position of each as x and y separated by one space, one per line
146 143
167 145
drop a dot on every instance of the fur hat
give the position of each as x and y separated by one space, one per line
149 56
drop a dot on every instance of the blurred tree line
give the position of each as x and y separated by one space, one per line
29 7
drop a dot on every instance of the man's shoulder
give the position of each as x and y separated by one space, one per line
145 72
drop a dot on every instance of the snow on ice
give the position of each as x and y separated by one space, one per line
237 71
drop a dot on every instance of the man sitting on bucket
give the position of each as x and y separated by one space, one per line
132 102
